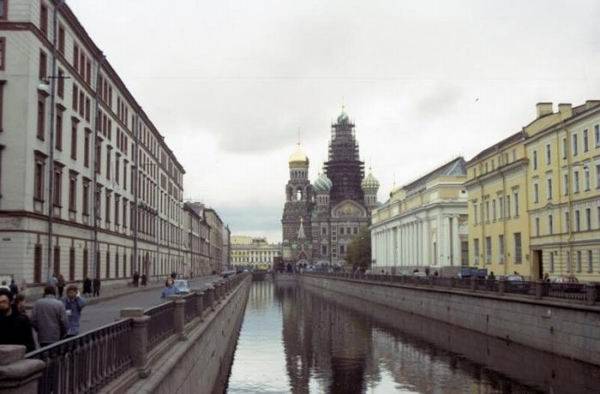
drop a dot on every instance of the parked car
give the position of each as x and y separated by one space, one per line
569 284
181 286
516 284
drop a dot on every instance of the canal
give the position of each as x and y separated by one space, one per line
304 340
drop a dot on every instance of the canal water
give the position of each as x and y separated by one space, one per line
305 340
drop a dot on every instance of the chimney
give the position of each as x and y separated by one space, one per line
565 110
543 109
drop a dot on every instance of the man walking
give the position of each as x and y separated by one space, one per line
73 306
49 318
136 279
96 287
87 287
15 328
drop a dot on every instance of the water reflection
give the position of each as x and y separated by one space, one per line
303 340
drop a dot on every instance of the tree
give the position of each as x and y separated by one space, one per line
359 250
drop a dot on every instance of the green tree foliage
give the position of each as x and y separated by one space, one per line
359 250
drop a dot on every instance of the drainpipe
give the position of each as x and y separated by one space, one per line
135 192
52 132
96 169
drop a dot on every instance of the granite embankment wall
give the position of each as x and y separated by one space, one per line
200 363
566 329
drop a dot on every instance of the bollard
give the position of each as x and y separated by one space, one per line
179 316
501 286
138 345
473 283
591 293
539 289
19 375
200 304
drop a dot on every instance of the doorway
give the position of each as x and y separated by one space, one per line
538 265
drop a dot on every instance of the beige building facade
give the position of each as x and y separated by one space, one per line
255 252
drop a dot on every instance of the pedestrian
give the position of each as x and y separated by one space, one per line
491 276
53 281
136 279
49 318
60 285
15 327
546 277
87 287
96 285
74 303
14 289
19 305
169 289
144 279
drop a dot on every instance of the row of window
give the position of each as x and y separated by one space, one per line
488 249
499 211
578 224
574 146
584 260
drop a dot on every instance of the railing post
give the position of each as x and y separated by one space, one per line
17 374
591 293
539 289
453 282
200 304
210 295
179 316
501 286
473 283
138 343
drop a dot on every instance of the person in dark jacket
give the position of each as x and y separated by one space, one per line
143 279
15 327
14 289
97 287
136 279
60 285
87 287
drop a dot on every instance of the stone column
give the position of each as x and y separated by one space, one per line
179 316
455 241
138 344
17 374
426 242
200 304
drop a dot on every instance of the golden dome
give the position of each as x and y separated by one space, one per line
298 157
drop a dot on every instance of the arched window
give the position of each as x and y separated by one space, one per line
299 195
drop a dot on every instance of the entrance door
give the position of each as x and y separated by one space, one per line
538 265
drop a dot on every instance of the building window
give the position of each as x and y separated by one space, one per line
567 222
565 148
586 178
3 9
71 264
588 218
1 105
597 170
537 227
494 210
86 149
590 262
107 208
43 66
85 273
551 268
72 191
2 51
535 160
74 122
75 97
37 263
61 83
58 168
44 18
475 250
475 213
38 179
501 207
549 188
56 267
575 149
566 184
578 261
488 250
124 213
548 154
597 135
518 251
59 128
508 207
117 205
585 140
85 197
41 117
577 221
550 224
575 181
342 249
98 156
501 247
536 196
108 162
107 264
568 257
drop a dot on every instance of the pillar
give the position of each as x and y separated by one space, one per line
455 241
138 344
17 374
179 317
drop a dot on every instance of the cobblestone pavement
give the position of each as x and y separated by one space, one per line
104 312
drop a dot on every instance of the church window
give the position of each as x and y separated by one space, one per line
341 230
342 249
324 250
324 230
299 195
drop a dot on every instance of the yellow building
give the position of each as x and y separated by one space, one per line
498 221
564 201
253 252
534 198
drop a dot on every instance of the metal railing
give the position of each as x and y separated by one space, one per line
570 292
87 362
90 361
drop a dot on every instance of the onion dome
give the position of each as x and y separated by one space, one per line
323 184
298 158
370 183
343 117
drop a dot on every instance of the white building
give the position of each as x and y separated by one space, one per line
253 252
423 224
74 142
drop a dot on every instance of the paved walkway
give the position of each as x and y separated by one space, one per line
102 312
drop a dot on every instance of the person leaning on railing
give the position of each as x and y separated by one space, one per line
15 328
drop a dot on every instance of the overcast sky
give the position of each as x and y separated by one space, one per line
230 83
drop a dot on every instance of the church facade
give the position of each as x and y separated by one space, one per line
321 218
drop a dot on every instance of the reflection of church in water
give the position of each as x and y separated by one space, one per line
319 220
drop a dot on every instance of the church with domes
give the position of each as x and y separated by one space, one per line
321 218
